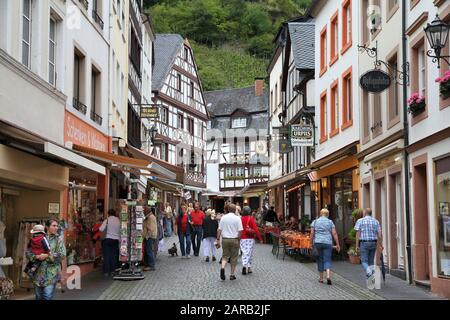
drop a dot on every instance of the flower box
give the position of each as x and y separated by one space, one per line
444 85
416 104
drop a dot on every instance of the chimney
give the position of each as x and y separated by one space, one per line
259 86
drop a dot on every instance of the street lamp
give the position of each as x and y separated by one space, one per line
437 35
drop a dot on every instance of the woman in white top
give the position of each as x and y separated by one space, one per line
110 245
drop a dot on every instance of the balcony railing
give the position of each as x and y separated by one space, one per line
97 19
85 3
95 117
79 106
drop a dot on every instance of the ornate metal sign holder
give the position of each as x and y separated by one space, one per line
400 77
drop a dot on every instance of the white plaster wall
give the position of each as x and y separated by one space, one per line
275 158
349 59
94 44
213 178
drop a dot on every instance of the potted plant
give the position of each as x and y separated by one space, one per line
353 256
444 85
305 222
416 103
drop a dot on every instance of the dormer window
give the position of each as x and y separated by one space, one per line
240 122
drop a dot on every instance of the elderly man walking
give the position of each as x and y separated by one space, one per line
230 229
368 238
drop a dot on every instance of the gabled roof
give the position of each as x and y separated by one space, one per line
302 42
226 102
167 47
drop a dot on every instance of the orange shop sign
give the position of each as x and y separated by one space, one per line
79 132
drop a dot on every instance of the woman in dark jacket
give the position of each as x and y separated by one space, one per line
184 226
210 227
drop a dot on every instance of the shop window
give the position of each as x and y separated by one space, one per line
323 51
82 216
334 38
323 117
443 216
347 99
346 25
334 109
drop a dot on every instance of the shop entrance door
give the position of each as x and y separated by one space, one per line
342 190
399 222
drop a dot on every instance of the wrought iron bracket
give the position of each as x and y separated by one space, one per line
438 58
401 77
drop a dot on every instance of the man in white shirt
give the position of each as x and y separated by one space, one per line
230 229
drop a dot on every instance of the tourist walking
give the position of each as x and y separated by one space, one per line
249 234
271 217
323 232
110 245
168 216
368 238
230 230
150 235
184 228
210 226
49 272
197 228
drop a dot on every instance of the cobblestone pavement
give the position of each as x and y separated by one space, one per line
182 279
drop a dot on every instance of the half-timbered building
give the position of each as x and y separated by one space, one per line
180 139
237 155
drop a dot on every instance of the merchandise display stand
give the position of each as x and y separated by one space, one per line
131 221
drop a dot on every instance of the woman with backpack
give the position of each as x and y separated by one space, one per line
248 236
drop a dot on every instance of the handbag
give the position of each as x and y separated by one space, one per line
314 251
249 231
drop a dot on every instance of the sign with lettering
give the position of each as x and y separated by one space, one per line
53 208
302 135
375 81
77 131
150 112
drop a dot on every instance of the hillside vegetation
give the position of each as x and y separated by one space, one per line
232 39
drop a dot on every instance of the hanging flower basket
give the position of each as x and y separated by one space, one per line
416 103
444 85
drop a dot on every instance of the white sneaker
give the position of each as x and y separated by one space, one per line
188 256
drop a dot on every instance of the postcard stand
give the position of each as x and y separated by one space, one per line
130 255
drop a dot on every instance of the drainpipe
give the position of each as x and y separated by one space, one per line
405 153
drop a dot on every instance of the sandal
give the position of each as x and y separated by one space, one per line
321 281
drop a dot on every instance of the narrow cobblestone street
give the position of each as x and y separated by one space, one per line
194 279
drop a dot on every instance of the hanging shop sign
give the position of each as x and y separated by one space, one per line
375 81
302 135
53 208
187 195
150 112
282 146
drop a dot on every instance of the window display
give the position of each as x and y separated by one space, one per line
443 215
82 217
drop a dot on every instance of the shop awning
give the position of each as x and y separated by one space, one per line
191 188
282 180
138 154
253 190
162 186
20 139
111 158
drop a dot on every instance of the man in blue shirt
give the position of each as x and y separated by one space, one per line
368 236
